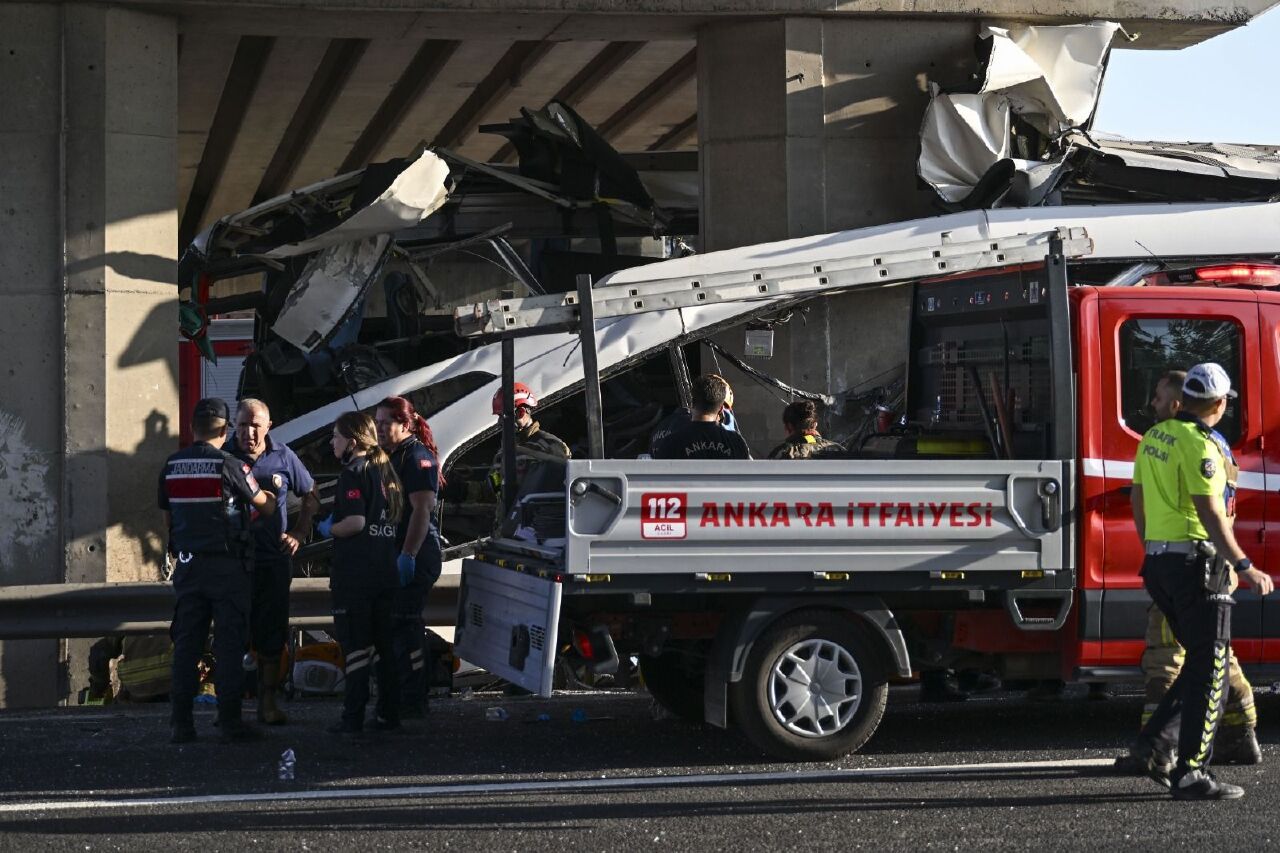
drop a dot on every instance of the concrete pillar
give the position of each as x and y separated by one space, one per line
88 387
808 126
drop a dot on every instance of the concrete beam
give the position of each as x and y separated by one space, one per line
1164 23
520 60
426 65
590 76
335 69
246 70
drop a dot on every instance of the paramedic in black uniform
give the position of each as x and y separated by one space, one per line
367 504
406 437
208 498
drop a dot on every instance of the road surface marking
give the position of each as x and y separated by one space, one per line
593 784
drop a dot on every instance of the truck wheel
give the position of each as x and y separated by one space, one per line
675 681
813 688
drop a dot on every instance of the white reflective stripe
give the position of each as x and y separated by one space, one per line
1255 480
1119 469
213 474
358 665
195 500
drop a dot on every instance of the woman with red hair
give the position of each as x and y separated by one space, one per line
405 436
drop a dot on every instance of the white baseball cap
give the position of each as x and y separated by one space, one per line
1207 381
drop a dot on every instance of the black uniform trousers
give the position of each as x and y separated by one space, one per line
209 589
1189 714
269 622
362 624
410 630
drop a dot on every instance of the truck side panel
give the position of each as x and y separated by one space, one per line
743 517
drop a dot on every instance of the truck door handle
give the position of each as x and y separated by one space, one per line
1049 503
581 487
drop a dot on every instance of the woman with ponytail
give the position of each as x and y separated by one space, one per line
367 506
404 435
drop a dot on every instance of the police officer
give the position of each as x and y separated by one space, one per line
534 448
406 437
207 497
1191 556
367 504
275 543
800 421
704 437
1163 658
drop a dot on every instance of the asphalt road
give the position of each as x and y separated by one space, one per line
996 772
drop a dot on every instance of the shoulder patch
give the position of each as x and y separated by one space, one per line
353 494
1208 468
424 463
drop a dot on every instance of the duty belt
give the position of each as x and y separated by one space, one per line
1156 547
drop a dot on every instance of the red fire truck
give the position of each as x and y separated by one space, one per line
994 527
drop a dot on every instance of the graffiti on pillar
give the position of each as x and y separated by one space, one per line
27 510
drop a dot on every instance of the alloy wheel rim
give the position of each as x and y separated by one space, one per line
815 688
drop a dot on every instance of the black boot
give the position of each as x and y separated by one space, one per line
182 732
937 685
1237 745
182 724
231 727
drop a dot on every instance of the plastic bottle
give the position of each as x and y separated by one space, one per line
286 767
495 715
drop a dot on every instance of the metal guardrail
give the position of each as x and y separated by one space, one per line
55 611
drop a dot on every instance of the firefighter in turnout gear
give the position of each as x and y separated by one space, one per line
1162 660
208 497
535 449
1192 561
800 420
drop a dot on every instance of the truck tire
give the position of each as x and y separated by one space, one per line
807 656
675 681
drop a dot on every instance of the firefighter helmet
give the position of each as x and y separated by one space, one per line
520 393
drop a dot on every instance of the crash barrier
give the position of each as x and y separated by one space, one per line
55 611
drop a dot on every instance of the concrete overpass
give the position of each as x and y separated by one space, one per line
129 127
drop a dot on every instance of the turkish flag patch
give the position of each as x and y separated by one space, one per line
424 463
353 494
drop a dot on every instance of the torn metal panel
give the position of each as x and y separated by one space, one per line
381 198
329 288
1047 77
415 193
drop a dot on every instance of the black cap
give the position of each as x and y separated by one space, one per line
212 409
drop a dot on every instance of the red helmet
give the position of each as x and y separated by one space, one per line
520 393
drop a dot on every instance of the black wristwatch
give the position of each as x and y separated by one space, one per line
1244 565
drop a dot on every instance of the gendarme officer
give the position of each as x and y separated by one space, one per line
207 497
1192 561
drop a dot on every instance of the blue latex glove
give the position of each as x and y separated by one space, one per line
727 420
406 566
325 527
